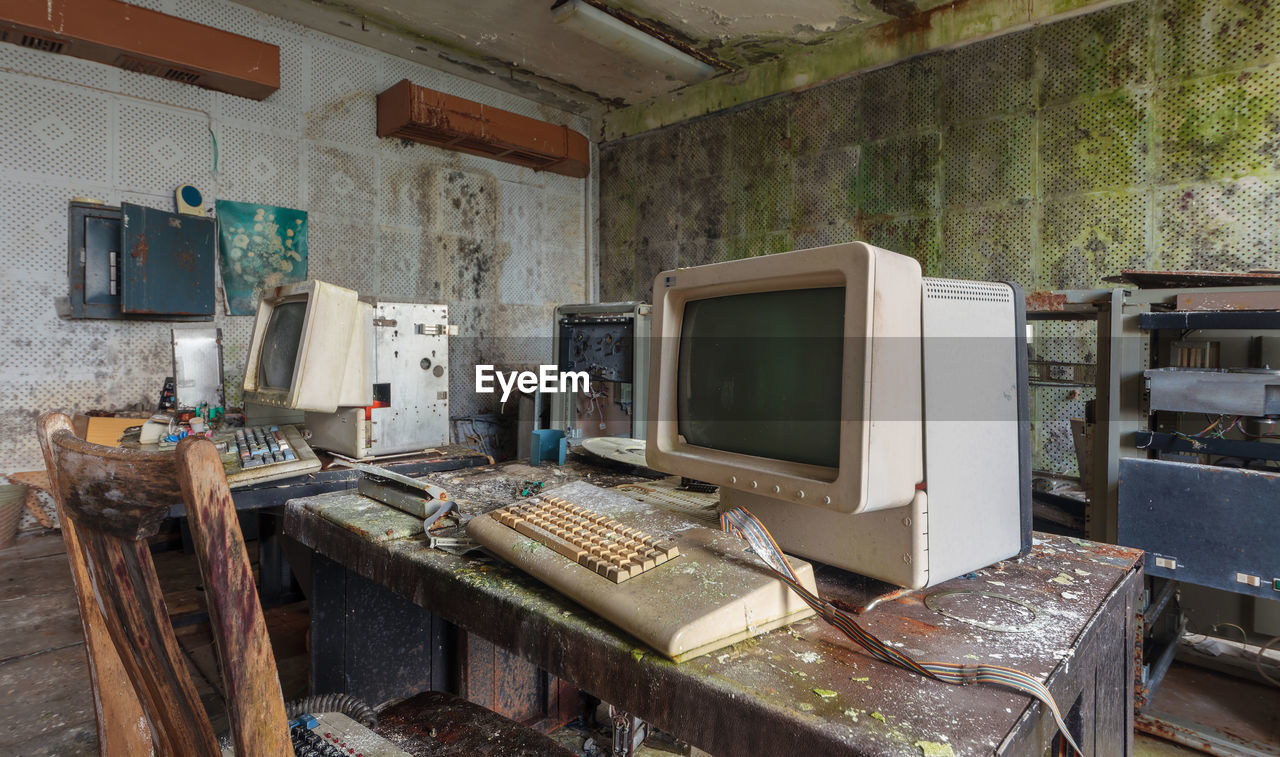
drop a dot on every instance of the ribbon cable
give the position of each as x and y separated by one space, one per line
745 525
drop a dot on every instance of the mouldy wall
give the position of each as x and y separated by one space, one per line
1146 135
501 245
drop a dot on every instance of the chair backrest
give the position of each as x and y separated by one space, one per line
111 500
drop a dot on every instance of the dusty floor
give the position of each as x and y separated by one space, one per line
45 705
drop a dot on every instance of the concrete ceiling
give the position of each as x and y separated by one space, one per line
516 45
518 38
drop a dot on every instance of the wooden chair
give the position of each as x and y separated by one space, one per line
110 501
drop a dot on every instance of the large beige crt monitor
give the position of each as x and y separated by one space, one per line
372 376
873 419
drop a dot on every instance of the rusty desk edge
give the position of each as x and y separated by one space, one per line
713 711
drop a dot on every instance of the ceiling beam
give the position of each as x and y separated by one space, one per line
856 50
356 26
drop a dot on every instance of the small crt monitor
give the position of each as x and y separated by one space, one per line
873 419
308 350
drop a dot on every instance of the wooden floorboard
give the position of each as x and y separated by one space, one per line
46 707
45 704
31 625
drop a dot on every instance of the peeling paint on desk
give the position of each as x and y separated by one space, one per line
780 670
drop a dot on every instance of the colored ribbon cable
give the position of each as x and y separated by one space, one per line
745 525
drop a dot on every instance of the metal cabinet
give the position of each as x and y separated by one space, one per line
138 262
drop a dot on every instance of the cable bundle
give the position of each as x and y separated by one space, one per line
743 524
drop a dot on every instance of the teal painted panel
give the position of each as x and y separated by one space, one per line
166 263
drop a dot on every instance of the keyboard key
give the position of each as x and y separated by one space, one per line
594 541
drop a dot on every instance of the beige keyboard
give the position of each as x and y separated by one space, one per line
594 541
713 593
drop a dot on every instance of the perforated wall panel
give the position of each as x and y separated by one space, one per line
1219 226
389 218
989 77
1096 52
1222 126
1195 37
59 134
1087 237
1053 407
825 199
1141 135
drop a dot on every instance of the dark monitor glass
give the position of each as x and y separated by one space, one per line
761 374
279 353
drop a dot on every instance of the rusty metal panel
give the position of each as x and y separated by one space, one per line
409 111
166 263
1264 299
145 41
494 678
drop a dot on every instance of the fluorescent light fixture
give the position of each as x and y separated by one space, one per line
610 31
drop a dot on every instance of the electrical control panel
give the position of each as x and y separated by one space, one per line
603 346
610 342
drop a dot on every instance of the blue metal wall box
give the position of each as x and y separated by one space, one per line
167 263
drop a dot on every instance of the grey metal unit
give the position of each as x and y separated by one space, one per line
409 358
197 367
1203 524
1224 392
610 341
1129 344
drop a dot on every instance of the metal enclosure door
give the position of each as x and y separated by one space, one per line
166 263
93 254
563 406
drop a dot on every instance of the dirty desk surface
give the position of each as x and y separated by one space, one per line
802 685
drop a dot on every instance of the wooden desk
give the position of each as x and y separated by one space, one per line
770 695
276 577
275 493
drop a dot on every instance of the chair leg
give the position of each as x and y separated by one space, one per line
123 728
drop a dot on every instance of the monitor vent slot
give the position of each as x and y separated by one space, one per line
40 43
177 74
158 69
139 66
977 291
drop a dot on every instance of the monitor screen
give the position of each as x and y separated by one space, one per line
761 374
280 345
